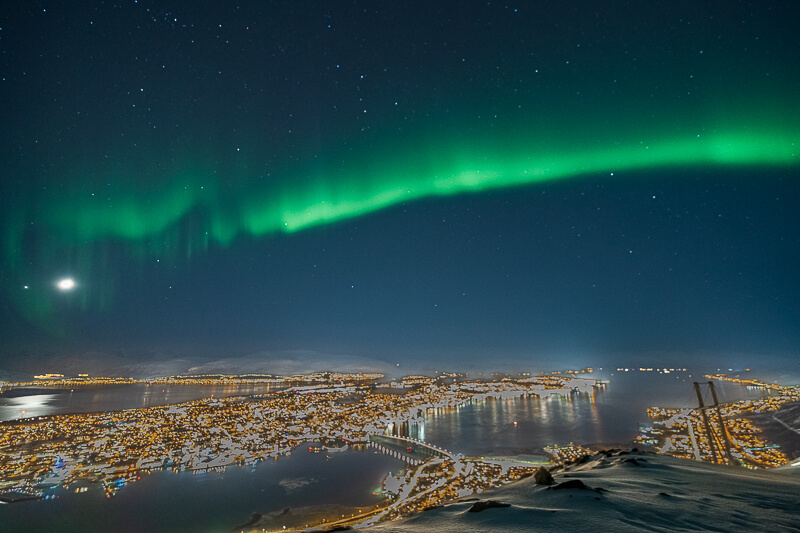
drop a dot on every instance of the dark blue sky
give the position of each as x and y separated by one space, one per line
160 154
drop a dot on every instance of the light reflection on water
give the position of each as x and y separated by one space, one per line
216 502
211 502
610 415
117 397
26 406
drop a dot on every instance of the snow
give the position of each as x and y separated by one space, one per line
630 491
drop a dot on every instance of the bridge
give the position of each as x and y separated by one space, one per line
412 451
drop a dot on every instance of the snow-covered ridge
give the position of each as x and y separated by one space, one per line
627 491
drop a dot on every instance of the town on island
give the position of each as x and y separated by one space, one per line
333 411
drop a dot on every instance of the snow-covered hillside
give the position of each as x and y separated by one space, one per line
628 491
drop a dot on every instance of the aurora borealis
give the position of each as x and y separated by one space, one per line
340 196
402 181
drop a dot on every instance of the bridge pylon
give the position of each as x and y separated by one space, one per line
712 439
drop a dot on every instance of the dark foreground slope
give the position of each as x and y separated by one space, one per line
628 491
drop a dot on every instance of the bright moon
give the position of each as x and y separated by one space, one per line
66 284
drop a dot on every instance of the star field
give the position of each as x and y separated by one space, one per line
402 181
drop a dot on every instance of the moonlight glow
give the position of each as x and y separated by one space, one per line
66 284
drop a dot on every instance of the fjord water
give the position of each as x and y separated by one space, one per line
611 416
630 393
53 401
216 502
210 502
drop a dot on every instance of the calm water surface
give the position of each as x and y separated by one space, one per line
218 501
612 415
212 502
42 402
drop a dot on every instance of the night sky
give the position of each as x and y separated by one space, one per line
427 183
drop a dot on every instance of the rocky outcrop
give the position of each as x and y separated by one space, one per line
570 484
543 477
477 507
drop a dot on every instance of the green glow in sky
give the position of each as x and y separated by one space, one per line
263 210
291 178
194 211
483 174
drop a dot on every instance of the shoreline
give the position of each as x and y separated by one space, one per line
302 518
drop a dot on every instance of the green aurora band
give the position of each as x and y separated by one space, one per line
194 211
345 195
